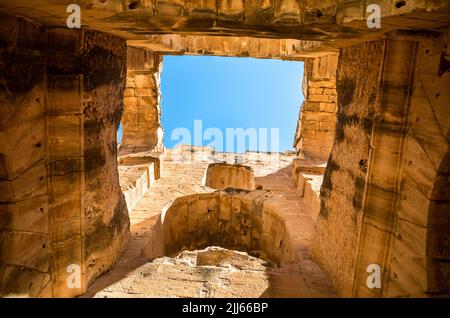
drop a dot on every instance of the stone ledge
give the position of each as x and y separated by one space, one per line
222 175
137 173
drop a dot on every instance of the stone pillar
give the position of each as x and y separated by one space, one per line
63 218
317 119
336 235
383 197
141 121
65 161
24 221
106 221
385 167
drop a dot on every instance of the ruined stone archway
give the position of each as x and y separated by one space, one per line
59 117
234 219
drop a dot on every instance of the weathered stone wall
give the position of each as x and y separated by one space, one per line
382 200
337 22
438 238
141 120
61 94
235 219
105 212
243 46
136 175
24 213
222 175
420 248
317 119
342 190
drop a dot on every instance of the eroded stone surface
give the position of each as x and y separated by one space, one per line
317 117
213 272
222 175
61 98
180 179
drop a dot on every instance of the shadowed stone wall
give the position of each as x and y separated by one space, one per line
343 185
337 22
391 137
106 216
61 93
438 238
24 208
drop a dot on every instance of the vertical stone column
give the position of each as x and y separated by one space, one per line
419 253
317 119
63 217
65 162
341 196
385 166
106 221
24 230
141 121
381 199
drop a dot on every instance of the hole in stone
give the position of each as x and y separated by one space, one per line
38 145
3 170
134 5
444 63
319 14
400 4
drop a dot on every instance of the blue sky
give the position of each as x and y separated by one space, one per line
225 92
